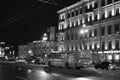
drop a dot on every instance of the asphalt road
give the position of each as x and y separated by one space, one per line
13 71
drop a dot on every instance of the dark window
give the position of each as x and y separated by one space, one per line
72 14
72 36
116 0
86 19
68 25
85 47
91 9
103 31
95 32
117 28
103 16
90 18
68 15
90 33
109 29
62 38
76 23
96 5
76 36
81 21
117 44
67 36
76 12
95 17
81 11
102 3
90 47
110 45
103 45
117 11
72 24
86 8
95 46
110 14
68 48
109 1
76 48
71 47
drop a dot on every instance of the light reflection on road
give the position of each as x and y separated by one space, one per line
42 75
86 78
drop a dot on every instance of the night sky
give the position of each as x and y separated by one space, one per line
24 21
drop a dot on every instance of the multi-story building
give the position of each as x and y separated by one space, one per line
39 48
51 32
93 25
24 51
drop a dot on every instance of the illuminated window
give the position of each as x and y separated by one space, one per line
109 57
117 57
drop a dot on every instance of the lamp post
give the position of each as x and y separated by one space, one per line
44 37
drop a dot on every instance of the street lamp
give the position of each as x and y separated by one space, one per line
84 30
45 37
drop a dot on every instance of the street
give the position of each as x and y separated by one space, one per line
13 71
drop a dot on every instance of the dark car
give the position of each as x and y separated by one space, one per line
105 65
38 61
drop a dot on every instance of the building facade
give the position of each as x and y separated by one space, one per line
93 25
39 48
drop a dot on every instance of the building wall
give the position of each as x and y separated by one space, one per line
95 14
23 51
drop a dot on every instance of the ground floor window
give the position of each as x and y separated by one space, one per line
117 57
109 57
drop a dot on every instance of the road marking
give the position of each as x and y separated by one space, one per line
21 78
111 73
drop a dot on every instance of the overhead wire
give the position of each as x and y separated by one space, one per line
24 13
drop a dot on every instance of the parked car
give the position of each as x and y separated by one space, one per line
11 60
38 61
21 61
105 65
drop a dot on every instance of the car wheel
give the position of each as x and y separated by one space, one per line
106 68
96 67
